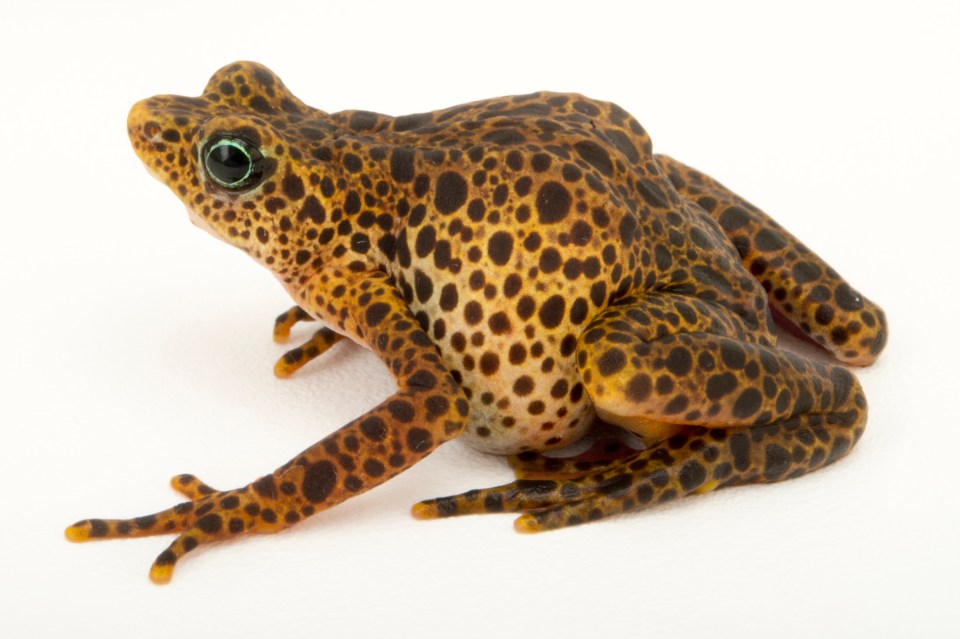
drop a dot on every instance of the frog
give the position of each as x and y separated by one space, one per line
527 269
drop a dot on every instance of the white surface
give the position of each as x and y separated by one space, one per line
135 347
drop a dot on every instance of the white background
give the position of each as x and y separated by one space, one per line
134 347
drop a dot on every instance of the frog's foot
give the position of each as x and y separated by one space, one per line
286 321
638 480
264 506
294 359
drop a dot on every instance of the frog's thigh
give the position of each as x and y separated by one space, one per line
636 378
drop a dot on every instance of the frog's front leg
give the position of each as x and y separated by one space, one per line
428 409
742 412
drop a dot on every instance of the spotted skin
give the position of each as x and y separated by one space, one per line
526 268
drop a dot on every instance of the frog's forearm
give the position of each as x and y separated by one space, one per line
427 410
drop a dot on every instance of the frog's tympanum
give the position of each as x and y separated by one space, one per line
525 267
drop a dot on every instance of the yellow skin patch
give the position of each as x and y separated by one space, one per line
525 267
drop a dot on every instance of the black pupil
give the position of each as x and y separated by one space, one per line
228 163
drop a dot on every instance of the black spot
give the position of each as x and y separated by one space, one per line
426 239
352 162
740 449
839 448
265 487
847 298
449 297
503 137
499 247
651 193
679 361
550 260
676 405
824 314
662 257
489 363
540 162
733 218
363 121
595 155
373 468
401 164
692 475
259 103
611 362
551 312
451 192
210 523
769 240
748 403
776 461
293 187
319 480
374 428
376 312
639 388
312 210
522 186
402 411
413 121
423 285
553 202
804 272
732 354
419 440
628 226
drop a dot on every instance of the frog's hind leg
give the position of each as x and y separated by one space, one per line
803 289
743 413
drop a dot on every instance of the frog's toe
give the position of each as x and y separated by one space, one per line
296 358
517 496
286 321
167 521
162 569
191 487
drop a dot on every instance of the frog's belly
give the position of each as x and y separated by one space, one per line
520 409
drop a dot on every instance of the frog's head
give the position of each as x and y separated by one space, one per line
232 157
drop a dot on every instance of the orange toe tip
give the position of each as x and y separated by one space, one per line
281 370
526 524
423 511
161 575
281 335
77 533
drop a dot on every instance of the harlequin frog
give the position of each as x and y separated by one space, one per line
525 267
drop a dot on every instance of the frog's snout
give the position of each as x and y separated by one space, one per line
145 130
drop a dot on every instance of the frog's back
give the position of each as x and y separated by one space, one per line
522 218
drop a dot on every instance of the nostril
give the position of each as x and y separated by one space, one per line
151 129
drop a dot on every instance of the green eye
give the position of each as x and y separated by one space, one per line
232 162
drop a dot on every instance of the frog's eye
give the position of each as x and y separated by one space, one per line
232 162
